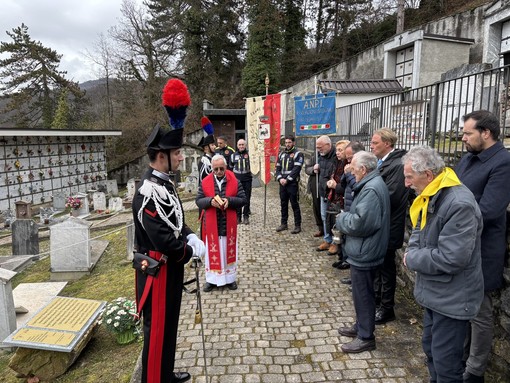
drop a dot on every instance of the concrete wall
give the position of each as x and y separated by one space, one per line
431 68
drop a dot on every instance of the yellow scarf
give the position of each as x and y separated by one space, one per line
447 178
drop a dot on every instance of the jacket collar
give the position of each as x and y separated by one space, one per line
359 185
487 154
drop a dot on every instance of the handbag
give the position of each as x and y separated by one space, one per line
146 264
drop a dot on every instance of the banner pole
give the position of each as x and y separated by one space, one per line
266 82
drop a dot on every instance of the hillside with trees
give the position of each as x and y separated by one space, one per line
222 49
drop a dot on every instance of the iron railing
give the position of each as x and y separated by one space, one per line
430 115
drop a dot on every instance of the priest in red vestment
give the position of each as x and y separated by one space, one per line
219 196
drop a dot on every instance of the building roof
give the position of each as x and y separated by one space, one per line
360 86
11 132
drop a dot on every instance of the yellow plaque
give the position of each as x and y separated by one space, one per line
59 326
68 314
34 335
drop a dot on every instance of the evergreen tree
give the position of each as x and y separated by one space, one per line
264 48
294 44
62 114
31 81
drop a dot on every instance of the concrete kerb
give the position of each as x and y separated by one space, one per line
281 324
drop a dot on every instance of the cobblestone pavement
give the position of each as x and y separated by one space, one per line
281 324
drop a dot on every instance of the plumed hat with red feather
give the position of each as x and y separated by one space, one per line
176 100
208 129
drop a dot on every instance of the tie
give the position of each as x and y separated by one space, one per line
379 162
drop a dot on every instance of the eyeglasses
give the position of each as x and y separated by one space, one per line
219 169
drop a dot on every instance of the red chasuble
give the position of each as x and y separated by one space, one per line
210 222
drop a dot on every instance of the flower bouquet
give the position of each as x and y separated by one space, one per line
121 320
74 203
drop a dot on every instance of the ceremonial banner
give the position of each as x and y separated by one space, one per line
315 114
264 119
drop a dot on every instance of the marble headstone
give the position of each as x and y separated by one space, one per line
99 199
25 237
111 187
130 239
70 245
115 204
191 183
83 211
131 188
7 311
59 200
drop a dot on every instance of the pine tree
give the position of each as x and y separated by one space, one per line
264 48
62 114
31 81
294 44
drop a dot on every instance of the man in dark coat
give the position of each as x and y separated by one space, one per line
161 233
444 253
324 170
392 172
485 170
366 229
288 167
240 165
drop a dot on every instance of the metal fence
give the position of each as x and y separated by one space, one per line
431 115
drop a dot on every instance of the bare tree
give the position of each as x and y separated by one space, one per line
145 56
102 57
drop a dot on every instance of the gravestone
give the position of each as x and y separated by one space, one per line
111 187
115 204
9 217
45 214
83 211
25 237
99 199
7 311
130 239
59 200
131 188
70 252
191 183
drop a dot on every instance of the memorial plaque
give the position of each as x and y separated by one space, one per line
58 326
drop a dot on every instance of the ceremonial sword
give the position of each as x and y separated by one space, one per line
198 312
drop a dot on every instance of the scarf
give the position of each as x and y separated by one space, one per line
210 222
447 178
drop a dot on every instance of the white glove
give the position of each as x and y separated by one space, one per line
197 245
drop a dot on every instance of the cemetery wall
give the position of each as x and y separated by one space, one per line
34 167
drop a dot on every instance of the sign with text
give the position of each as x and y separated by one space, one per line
58 326
315 114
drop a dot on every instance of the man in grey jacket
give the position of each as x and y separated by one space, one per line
444 251
366 227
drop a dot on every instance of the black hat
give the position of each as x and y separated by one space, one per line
165 139
176 100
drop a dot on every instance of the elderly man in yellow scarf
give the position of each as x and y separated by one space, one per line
444 251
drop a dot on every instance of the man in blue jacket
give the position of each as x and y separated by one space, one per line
485 170
444 251
367 228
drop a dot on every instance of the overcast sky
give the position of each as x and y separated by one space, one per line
70 27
